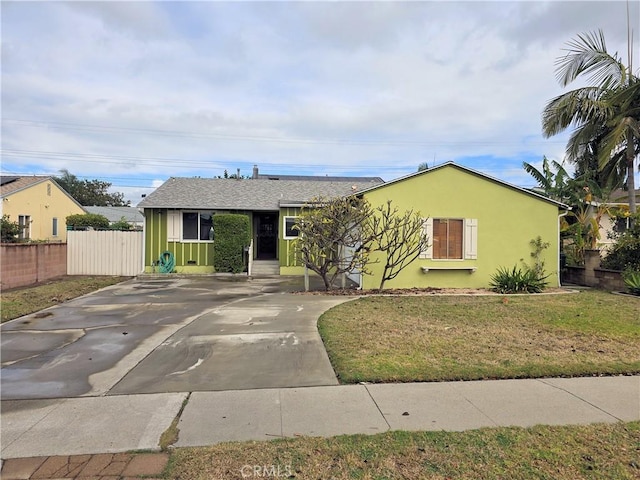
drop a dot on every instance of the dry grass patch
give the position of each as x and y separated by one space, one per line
25 300
391 339
562 453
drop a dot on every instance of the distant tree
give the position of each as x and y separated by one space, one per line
423 166
9 230
90 192
82 221
226 174
401 238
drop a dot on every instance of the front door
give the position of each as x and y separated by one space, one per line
266 236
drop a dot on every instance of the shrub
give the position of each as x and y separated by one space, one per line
625 253
10 230
121 225
518 280
82 221
632 281
232 235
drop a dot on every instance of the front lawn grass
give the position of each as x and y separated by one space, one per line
25 300
604 451
440 338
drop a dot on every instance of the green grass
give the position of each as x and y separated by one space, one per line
439 338
23 301
610 451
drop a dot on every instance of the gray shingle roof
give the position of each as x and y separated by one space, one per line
253 194
115 214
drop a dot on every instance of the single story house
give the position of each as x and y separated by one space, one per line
39 205
475 223
178 216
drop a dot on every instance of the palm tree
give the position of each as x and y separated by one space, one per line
606 111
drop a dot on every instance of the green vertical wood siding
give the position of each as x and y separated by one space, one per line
184 252
286 248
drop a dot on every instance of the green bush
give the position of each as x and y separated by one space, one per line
121 225
82 221
518 280
231 236
632 281
625 253
9 230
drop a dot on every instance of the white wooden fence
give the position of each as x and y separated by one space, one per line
107 252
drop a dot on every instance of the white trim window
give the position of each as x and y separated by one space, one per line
54 227
24 222
289 232
189 226
451 239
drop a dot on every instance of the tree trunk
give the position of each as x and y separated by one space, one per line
631 184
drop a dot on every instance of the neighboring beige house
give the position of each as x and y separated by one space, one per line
39 205
618 203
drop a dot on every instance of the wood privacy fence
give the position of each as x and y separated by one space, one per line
108 252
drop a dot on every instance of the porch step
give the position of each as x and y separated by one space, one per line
265 267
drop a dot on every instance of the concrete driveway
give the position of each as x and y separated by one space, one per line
168 335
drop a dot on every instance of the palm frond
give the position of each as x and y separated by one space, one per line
573 108
616 140
538 176
588 55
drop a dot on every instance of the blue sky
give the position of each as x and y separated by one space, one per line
136 92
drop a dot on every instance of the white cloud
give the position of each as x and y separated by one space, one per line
368 88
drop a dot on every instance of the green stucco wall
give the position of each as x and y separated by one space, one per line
508 220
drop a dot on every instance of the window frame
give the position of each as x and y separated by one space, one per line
199 239
447 239
54 227
24 222
284 228
469 239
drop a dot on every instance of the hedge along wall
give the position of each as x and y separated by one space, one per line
232 234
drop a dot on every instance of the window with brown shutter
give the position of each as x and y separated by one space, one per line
447 238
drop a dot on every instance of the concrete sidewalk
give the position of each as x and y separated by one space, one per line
111 424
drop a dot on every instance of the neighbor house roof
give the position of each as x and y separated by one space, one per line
472 172
115 214
319 178
622 196
15 183
10 184
248 194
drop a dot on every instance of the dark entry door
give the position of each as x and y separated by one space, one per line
267 236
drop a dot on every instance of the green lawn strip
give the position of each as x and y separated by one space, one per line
439 338
562 452
23 301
